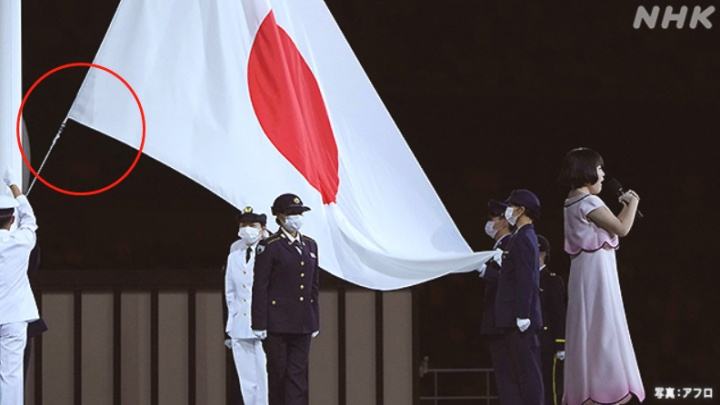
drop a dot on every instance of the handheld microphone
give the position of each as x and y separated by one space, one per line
616 188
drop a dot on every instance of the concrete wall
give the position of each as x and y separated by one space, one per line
97 349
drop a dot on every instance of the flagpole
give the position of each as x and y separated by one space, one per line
47 155
10 85
26 146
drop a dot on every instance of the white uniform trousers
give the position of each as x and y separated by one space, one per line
251 366
13 337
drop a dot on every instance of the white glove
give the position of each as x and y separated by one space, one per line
7 180
522 324
560 355
315 334
228 343
260 334
497 256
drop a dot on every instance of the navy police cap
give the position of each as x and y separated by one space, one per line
525 198
496 208
288 204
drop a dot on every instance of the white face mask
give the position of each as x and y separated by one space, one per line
249 234
293 223
490 229
512 220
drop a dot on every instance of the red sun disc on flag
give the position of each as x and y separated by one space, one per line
289 106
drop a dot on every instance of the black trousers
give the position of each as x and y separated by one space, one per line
34 329
288 356
516 359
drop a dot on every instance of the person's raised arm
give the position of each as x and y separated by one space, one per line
27 224
622 223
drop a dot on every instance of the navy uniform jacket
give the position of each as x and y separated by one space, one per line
286 286
552 297
518 287
492 272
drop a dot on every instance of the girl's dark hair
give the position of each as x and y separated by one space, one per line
580 168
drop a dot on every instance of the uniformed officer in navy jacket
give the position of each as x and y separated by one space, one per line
552 335
285 309
499 229
517 303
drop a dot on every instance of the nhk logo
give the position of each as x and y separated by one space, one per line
672 17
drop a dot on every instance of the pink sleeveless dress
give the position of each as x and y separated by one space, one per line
600 362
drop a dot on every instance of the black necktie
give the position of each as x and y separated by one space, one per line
247 254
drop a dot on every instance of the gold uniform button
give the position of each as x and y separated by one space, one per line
302 287
545 328
302 275
302 263
274 302
302 299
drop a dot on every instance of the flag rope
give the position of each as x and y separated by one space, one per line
47 155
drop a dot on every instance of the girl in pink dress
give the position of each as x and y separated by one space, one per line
600 364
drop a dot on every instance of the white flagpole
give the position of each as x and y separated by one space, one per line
26 175
10 85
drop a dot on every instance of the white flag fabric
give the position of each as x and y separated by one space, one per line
255 98
10 86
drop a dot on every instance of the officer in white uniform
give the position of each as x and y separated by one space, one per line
250 360
17 304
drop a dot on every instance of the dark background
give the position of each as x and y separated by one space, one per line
489 95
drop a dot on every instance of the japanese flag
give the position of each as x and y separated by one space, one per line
253 99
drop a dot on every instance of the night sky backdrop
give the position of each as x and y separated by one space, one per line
489 95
